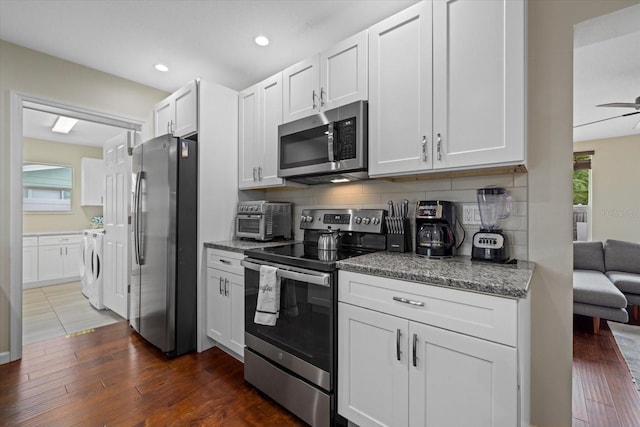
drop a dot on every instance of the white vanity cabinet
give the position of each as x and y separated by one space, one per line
92 181
58 257
178 113
411 354
260 113
447 85
29 259
330 79
225 300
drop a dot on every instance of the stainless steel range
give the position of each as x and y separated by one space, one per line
295 361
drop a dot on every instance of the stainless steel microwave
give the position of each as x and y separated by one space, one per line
330 146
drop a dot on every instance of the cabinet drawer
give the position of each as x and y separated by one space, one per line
479 315
29 241
225 261
60 239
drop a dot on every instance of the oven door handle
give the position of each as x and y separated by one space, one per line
315 278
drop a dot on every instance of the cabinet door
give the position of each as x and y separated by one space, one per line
235 288
300 89
400 112
29 264
50 264
217 307
270 113
92 181
458 380
162 115
372 379
248 137
70 267
479 84
185 119
344 73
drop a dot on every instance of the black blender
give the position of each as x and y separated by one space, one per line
490 244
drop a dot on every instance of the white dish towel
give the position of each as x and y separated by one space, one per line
268 305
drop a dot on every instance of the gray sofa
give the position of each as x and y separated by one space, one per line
606 278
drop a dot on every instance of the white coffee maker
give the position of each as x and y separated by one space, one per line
490 244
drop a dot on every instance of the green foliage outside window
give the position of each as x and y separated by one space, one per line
581 184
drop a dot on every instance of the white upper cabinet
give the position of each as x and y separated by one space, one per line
447 87
92 181
178 113
400 115
479 86
333 78
260 113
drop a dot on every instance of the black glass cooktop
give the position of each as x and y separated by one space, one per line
305 255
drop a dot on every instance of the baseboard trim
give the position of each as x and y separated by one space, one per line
5 357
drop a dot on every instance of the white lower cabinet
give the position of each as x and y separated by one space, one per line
58 257
29 259
395 369
225 300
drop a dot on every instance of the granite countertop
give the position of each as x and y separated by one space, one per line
506 280
243 245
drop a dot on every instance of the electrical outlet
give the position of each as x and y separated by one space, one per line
470 214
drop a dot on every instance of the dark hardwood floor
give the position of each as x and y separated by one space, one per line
603 393
113 377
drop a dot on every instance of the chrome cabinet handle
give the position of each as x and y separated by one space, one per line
259 173
226 287
415 345
313 99
169 127
254 174
424 148
60 250
322 97
224 261
439 147
66 251
408 301
398 333
220 286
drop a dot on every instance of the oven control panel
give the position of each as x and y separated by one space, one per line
361 220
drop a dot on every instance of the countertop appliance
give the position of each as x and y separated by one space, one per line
490 244
330 146
435 228
263 220
163 280
294 362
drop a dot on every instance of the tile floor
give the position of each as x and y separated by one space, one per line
59 310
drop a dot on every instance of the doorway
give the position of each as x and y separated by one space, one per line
22 107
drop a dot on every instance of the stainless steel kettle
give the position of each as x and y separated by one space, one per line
329 240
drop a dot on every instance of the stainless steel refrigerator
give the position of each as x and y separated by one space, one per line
164 277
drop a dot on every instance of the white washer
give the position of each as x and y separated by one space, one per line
95 281
84 261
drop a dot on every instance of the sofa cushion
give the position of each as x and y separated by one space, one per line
588 256
609 313
622 256
592 287
626 282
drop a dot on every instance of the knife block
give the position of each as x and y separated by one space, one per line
400 242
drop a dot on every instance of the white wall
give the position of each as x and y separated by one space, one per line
549 139
31 73
615 195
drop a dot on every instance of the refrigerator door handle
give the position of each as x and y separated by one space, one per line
137 225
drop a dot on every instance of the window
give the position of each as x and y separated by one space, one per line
581 177
46 187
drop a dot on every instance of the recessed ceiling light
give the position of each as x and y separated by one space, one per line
261 41
161 67
64 124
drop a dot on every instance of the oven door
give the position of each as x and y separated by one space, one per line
302 340
250 226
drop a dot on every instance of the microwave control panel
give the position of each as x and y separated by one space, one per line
346 130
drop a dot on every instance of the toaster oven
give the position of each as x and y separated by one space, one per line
263 220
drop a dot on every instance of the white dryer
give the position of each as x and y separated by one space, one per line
84 261
94 280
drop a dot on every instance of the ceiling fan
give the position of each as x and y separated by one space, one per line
635 105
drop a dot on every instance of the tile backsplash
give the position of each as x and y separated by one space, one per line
375 193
